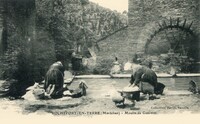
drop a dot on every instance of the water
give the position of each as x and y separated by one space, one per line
99 94
178 83
98 87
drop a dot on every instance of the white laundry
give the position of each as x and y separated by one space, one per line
127 66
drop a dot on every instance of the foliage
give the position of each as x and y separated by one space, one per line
59 25
103 67
17 60
76 22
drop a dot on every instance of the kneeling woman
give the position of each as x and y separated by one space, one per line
144 74
54 80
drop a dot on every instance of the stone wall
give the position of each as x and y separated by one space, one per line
155 26
117 45
144 16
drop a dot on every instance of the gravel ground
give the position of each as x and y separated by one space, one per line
98 101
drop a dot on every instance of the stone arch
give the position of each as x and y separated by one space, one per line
150 30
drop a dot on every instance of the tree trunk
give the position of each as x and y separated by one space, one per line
1 26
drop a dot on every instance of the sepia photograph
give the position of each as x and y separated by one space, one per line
99 58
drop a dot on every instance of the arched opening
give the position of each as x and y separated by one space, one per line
174 44
179 41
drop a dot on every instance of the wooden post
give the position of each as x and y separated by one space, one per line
184 23
190 25
160 25
171 23
177 24
165 24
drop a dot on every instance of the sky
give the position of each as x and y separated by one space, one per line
119 5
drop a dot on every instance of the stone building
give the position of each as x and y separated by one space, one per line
155 27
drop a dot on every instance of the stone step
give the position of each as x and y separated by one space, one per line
160 75
92 76
178 92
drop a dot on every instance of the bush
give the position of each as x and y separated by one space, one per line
103 67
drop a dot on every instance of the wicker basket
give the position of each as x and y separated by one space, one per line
133 94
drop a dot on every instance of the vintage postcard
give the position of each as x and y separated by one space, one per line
100 58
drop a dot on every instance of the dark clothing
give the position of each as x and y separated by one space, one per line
55 76
59 67
144 74
76 64
159 89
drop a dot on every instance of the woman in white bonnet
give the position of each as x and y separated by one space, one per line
116 67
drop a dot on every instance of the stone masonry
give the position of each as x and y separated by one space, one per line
144 16
145 19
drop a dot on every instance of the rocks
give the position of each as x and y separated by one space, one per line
80 91
12 88
34 92
39 93
193 87
118 99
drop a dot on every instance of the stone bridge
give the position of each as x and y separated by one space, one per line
151 18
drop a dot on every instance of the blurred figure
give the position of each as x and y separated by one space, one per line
128 66
76 62
116 69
